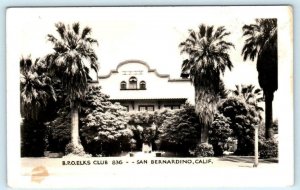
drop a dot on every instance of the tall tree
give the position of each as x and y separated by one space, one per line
261 44
71 61
208 58
36 93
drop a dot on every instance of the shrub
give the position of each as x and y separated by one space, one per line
219 132
76 150
204 150
33 142
268 148
243 118
143 127
59 131
104 125
181 131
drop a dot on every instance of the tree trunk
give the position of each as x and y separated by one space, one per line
204 134
74 125
268 115
256 147
205 104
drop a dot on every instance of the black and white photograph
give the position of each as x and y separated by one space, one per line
150 96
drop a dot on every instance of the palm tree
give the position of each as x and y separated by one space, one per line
261 43
36 94
251 95
71 61
36 90
207 59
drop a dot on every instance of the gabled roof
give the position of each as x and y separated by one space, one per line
142 63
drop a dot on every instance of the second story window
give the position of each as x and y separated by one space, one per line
132 83
143 85
123 85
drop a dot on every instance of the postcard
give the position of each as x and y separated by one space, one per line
135 97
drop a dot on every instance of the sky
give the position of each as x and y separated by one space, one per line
151 35
148 34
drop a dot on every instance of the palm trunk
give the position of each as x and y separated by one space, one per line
268 115
74 125
204 107
204 134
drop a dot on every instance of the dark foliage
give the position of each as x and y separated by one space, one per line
33 142
219 132
37 97
143 126
268 148
36 90
204 150
59 131
181 131
243 119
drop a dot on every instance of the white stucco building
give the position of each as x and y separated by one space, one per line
138 87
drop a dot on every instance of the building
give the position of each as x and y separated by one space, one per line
139 88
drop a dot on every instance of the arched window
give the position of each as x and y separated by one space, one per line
132 83
143 85
123 85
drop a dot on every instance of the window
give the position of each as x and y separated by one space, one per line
172 107
123 85
146 108
150 108
143 85
132 83
142 108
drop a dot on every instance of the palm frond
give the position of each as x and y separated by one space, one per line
209 31
76 27
258 37
86 31
202 31
61 29
257 91
51 38
91 41
220 30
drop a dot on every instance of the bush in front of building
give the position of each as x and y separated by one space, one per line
144 129
204 150
181 131
104 128
219 132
